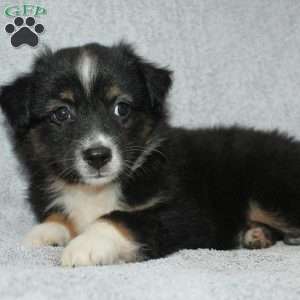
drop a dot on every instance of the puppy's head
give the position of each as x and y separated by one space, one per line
87 114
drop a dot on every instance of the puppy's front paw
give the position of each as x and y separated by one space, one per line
101 244
47 234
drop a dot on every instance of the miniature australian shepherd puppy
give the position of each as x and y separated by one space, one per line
113 182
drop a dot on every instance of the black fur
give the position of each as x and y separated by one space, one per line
205 180
209 178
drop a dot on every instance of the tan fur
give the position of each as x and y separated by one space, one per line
39 147
126 232
67 95
147 130
65 221
113 92
257 214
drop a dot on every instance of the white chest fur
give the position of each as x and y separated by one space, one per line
84 205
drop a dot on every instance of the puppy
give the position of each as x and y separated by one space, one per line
113 182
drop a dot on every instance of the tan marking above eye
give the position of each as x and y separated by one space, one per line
67 95
113 92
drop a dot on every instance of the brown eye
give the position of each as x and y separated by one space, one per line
122 109
61 115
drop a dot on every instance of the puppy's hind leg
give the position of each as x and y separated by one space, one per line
290 232
259 236
292 239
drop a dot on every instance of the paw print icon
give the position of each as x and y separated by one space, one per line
24 33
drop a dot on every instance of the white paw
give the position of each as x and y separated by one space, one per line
47 234
100 244
258 238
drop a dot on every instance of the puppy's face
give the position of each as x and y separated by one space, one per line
88 114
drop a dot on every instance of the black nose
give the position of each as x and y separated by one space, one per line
97 157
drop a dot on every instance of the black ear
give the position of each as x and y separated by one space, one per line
14 101
158 81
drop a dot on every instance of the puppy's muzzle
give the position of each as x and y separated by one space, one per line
97 156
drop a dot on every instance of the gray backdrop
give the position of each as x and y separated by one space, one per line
235 61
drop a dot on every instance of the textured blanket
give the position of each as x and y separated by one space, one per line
235 61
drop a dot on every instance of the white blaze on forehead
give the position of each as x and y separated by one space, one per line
86 68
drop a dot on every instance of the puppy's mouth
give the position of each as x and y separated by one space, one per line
99 180
107 174
101 175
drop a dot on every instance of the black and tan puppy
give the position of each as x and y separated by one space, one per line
112 181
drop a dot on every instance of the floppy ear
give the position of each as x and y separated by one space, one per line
14 101
158 81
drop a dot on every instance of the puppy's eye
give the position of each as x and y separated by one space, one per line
122 109
62 114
